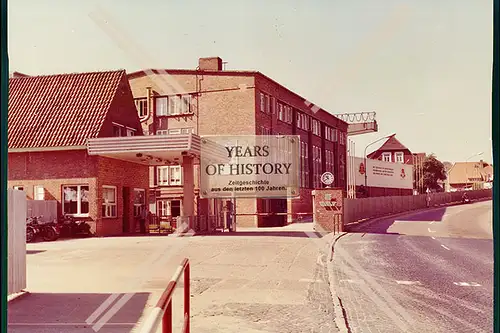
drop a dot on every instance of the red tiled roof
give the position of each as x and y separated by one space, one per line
59 110
392 144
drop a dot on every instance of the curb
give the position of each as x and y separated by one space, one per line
17 296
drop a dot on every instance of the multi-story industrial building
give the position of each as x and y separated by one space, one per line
209 100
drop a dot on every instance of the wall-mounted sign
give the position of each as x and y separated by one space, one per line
382 174
327 178
252 166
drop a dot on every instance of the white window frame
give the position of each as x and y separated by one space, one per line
130 131
174 131
164 102
78 199
386 157
185 107
170 181
109 205
141 206
142 107
262 102
399 157
187 130
37 194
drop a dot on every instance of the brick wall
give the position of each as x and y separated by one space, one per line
53 170
121 174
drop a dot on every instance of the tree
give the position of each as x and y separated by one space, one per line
429 173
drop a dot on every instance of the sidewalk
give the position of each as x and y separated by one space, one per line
250 281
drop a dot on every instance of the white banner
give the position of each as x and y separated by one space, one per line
382 174
252 166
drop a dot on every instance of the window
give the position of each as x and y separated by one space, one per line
335 135
142 107
329 161
130 132
316 127
108 201
281 115
288 115
75 200
188 130
173 105
268 104
19 187
170 175
174 131
262 102
161 106
304 161
316 167
343 138
162 132
273 105
298 120
400 156
386 157
38 192
139 201
117 130
265 131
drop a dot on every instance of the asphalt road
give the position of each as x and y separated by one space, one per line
424 272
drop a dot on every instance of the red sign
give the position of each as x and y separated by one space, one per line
362 169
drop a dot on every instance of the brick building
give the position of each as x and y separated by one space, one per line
210 101
50 119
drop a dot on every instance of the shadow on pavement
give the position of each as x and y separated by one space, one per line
47 312
34 251
383 224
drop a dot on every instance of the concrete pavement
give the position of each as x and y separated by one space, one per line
425 272
251 281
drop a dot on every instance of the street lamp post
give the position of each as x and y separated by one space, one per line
466 169
366 167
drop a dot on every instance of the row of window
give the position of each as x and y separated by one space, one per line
169 175
304 164
121 130
165 105
75 199
399 157
268 104
171 131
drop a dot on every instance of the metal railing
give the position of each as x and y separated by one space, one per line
162 312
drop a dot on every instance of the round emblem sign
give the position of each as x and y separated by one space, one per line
327 178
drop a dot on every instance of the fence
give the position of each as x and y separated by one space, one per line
360 209
46 208
16 259
162 312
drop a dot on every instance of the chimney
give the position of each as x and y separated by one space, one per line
210 64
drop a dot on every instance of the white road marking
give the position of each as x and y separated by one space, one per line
433 237
429 229
408 282
432 222
445 247
467 284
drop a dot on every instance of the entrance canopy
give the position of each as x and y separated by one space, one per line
152 149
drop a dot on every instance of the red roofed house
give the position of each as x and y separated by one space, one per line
392 151
50 119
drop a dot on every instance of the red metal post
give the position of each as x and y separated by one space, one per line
167 319
187 297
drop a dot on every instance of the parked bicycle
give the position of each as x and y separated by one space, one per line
70 227
35 228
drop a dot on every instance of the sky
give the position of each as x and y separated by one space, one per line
423 66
